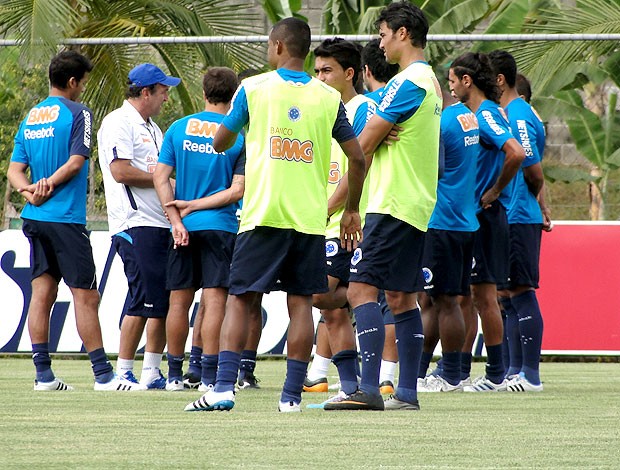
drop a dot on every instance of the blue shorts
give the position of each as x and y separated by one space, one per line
388 316
525 255
390 256
144 251
490 264
205 262
447 262
268 258
61 250
338 260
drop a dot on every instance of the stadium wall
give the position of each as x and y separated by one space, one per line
579 295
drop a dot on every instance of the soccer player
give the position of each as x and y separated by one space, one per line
402 183
281 240
524 322
473 82
129 146
53 143
201 209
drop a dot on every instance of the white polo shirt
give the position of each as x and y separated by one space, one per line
125 135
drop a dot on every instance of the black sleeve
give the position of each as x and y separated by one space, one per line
342 130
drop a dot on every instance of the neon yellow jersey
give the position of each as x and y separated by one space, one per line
402 179
288 154
339 166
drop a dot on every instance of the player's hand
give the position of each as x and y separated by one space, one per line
183 206
43 191
489 197
393 135
180 235
547 224
350 230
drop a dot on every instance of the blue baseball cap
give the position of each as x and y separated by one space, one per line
149 74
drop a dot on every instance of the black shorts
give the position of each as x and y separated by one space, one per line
144 251
205 262
338 260
490 263
268 258
525 255
390 256
61 250
447 262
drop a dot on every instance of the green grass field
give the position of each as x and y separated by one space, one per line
574 423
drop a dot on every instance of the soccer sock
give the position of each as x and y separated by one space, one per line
409 342
123 366
495 370
227 370
387 372
451 371
465 365
345 363
151 366
425 362
248 362
101 366
319 367
175 367
209 369
42 362
195 361
371 336
513 337
531 330
294 382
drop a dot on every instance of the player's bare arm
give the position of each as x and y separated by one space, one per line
224 138
512 162
351 223
161 182
125 173
220 199
534 178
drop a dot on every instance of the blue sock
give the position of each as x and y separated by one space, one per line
410 341
465 365
513 338
371 336
175 367
505 350
345 363
531 330
103 370
42 362
495 370
195 361
451 371
294 382
209 369
227 370
248 362
425 362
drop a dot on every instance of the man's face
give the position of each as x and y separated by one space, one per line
79 87
272 55
157 98
329 71
457 88
389 43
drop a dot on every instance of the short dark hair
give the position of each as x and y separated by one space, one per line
523 86
348 54
504 63
478 67
404 14
374 58
294 34
134 91
248 73
68 64
219 84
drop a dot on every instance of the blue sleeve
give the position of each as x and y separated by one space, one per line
526 135
363 113
19 151
166 154
342 130
238 114
81 132
494 132
400 101
442 156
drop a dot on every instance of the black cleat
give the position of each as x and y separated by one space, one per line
191 380
358 400
248 381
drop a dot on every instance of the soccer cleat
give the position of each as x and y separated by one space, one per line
129 377
289 407
191 381
421 382
520 384
56 385
393 403
466 382
318 385
119 384
335 387
248 381
358 400
482 384
204 388
157 382
437 383
386 388
319 406
175 385
213 401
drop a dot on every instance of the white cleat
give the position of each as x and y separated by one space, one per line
436 383
289 407
519 383
482 384
213 401
119 384
56 385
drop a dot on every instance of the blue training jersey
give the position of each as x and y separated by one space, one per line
456 203
53 131
494 132
200 171
376 95
521 205
400 100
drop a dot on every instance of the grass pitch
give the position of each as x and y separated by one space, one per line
574 423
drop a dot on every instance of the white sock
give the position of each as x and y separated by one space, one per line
150 366
124 365
388 370
319 367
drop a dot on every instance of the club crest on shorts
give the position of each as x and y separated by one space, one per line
331 248
294 114
357 256
473 263
428 275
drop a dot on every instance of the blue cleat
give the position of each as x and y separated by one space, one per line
158 383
